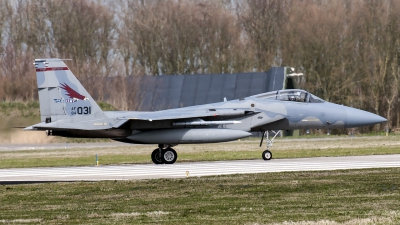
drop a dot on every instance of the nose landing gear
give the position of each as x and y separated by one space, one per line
164 154
267 154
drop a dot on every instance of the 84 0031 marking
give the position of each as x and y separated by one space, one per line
81 110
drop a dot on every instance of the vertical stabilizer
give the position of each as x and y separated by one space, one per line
61 95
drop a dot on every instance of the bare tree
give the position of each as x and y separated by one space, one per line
348 50
262 21
377 51
178 37
83 31
318 41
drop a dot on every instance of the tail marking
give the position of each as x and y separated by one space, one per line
72 93
51 69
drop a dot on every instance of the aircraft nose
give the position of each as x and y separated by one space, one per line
359 118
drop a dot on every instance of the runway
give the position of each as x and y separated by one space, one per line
195 169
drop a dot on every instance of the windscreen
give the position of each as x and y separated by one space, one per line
295 96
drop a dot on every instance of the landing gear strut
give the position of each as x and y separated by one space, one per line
164 154
267 154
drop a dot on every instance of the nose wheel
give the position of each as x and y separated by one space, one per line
162 155
267 154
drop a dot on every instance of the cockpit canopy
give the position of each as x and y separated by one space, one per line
295 95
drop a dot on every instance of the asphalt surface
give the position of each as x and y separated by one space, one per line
195 169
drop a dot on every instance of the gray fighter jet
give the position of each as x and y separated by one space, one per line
68 110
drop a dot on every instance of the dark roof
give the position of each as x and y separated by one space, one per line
173 91
150 93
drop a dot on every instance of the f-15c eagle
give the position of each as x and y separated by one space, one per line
68 110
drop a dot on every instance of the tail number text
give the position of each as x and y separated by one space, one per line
83 110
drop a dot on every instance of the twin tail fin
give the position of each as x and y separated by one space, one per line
61 95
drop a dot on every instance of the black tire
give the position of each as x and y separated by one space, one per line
267 155
169 156
156 157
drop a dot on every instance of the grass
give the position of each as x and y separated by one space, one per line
336 197
22 109
283 148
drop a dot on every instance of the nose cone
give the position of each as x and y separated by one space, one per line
359 118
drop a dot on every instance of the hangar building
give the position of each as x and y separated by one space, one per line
174 91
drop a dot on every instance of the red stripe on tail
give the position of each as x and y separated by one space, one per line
51 69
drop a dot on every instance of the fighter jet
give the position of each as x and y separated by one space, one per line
68 110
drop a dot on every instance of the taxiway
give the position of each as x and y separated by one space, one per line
195 169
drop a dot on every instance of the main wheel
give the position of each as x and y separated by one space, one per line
169 156
267 155
156 156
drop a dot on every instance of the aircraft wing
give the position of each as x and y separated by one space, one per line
190 113
179 117
194 117
187 113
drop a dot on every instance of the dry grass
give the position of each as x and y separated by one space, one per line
386 217
21 221
389 218
28 137
11 135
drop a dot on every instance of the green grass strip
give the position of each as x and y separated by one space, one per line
126 155
352 197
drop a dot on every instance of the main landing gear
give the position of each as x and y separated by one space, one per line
267 154
164 154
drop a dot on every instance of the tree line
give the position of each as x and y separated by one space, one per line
349 51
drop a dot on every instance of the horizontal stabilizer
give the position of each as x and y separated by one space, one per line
65 124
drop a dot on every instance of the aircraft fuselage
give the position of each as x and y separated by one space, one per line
67 109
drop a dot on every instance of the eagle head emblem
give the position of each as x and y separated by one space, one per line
72 93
